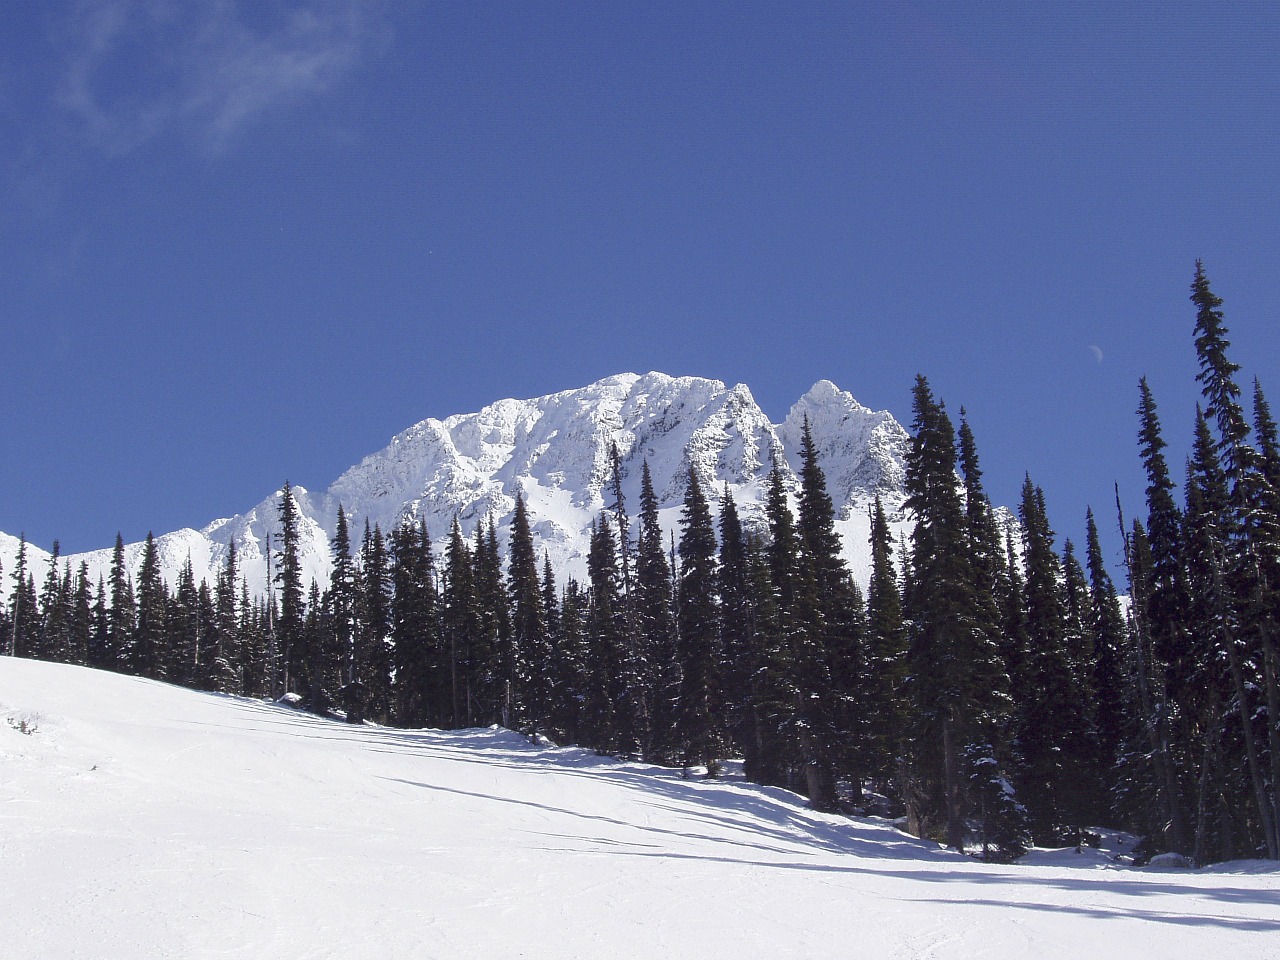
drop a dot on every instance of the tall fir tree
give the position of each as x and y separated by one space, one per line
224 675
700 712
827 644
123 612
342 604
373 658
1107 630
146 656
459 623
737 628
1161 641
945 632
1053 732
1245 525
604 720
531 644
420 670
654 625
776 690
289 636
885 663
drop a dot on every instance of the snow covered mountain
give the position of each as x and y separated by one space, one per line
556 451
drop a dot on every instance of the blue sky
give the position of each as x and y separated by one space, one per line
246 242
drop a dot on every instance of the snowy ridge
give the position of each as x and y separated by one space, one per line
142 820
556 451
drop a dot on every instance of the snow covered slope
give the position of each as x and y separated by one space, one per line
140 820
556 450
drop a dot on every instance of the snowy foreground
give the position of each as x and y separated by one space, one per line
140 820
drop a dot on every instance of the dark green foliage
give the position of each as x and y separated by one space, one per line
826 643
289 639
602 718
1003 830
1053 732
775 692
372 654
654 624
421 669
460 626
571 668
123 612
700 712
945 633
738 641
146 654
224 653
529 677
1107 635
885 670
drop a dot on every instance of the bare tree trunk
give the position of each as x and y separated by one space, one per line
951 771
1251 748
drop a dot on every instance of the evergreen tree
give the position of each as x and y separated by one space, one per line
123 613
24 634
1053 730
776 691
1216 676
1265 601
885 670
342 604
989 753
603 718
183 643
224 655
373 649
826 643
1218 627
945 633
82 623
699 715
1107 632
51 636
255 660
654 623
460 627
317 636
531 644
98 642
1246 526
737 629
571 667
1160 621
288 579
420 693
1145 787
146 656
1003 825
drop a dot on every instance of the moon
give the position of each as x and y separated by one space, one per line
1097 352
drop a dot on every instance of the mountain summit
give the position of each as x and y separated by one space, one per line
556 451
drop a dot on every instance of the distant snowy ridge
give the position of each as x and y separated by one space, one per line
556 451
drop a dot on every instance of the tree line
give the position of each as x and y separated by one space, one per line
990 687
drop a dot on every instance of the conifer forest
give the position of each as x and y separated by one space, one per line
993 685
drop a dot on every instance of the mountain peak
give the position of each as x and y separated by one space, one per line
557 452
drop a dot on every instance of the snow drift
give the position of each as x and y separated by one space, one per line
143 821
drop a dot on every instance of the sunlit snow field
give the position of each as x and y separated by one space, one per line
139 820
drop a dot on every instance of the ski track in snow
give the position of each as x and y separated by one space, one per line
141 820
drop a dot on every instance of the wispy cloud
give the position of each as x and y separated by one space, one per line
136 70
